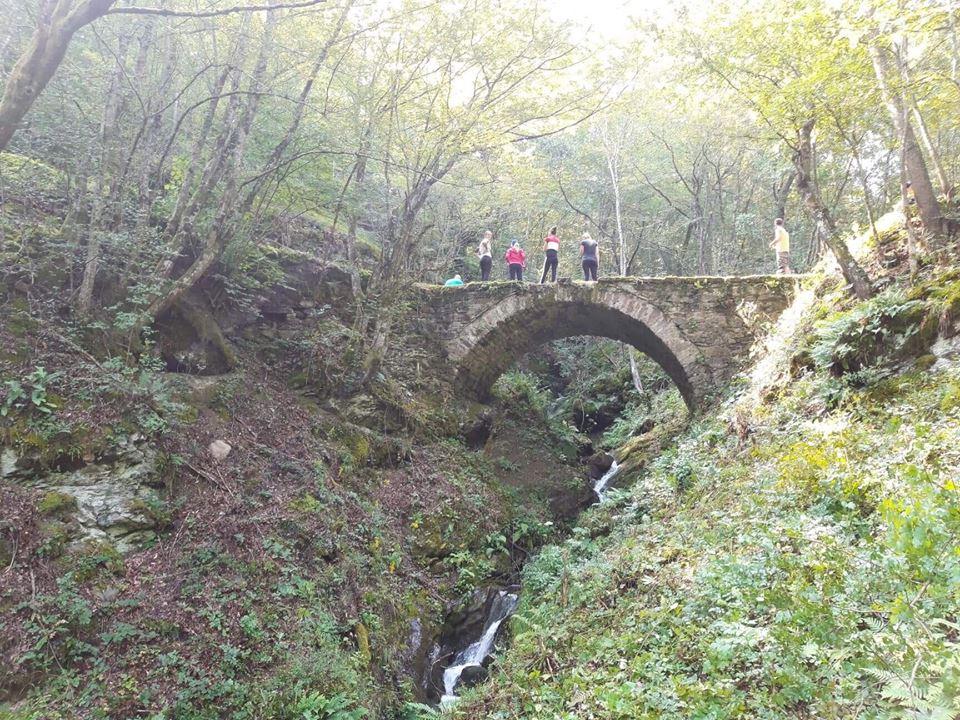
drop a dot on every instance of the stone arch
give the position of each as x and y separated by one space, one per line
486 346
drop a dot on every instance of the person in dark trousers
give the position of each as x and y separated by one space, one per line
590 257
551 246
516 260
485 253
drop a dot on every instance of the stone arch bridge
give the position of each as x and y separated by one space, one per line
699 329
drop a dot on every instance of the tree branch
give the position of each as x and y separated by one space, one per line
212 13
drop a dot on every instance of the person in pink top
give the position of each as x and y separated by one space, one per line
551 246
516 260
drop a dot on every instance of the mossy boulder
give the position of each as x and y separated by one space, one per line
53 503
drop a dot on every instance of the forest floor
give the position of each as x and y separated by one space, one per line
305 572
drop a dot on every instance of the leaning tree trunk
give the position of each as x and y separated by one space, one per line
855 276
273 162
218 232
57 21
916 166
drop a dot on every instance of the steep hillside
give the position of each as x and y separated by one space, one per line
258 540
797 555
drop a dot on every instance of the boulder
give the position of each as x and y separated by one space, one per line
219 450
112 498
471 675
598 464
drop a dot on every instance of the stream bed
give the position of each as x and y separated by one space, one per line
465 648
468 666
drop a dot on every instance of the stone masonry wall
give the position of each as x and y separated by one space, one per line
699 329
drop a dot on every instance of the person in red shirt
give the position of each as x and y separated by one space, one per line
551 246
516 260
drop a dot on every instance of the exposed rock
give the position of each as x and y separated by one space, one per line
201 390
946 350
219 450
112 499
191 340
598 464
472 675
8 462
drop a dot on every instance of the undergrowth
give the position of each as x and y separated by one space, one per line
792 557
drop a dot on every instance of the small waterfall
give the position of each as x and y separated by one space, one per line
473 655
601 484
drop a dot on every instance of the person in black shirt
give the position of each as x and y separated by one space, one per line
590 257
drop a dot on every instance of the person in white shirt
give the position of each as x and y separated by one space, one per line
485 253
551 247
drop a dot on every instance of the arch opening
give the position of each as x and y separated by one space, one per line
526 329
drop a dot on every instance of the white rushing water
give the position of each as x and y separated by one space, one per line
600 485
473 656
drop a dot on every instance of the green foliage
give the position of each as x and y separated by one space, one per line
812 567
867 335
314 706
29 179
29 393
513 388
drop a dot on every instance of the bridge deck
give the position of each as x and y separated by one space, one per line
651 280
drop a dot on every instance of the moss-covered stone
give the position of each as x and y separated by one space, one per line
54 503
925 362
363 643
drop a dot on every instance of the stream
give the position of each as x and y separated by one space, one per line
600 486
468 665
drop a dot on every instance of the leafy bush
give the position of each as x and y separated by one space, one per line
872 332
29 393
517 387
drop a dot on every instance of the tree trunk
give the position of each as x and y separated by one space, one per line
912 244
281 147
218 232
916 166
635 372
101 198
57 22
781 192
612 156
184 194
806 183
946 189
954 45
865 188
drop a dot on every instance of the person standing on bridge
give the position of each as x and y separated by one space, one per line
516 260
590 257
781 244
551 246
485 254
